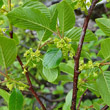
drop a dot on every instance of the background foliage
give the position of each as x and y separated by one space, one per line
46 39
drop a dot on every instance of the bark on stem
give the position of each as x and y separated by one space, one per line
78 53
105 107
30 85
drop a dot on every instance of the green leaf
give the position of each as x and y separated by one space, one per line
92 86
75 34
5 95
100 54
16 100
3 108
50 74
54 14
87 103
29 18
103 84
96 106
8 51
99 33
64 78
69 97
85 55
66 68
5 19
66 16
66 107
39 6
1 3
45 34
105 49
50 13
59 90
52 58
67 104
104 24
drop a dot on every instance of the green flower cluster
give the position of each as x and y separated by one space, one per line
89 65
32 58
10 83
81 4
66 47
3 10
90 72
2 30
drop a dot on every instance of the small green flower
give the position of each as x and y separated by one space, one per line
81 62
12 5
81 67
34 65
90 64
97 64
38 59
3 29
9 86
67 39
24 71
21 88
68 46
32 54
71 55
95 74
56 40
1 22
3 7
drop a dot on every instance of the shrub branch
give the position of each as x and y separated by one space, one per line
78 53
27 73
105 107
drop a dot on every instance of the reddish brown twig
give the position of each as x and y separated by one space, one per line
78 53
28 79
3 74
45 43
81 98
107 63
105 107
30 84
58 31
11 34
